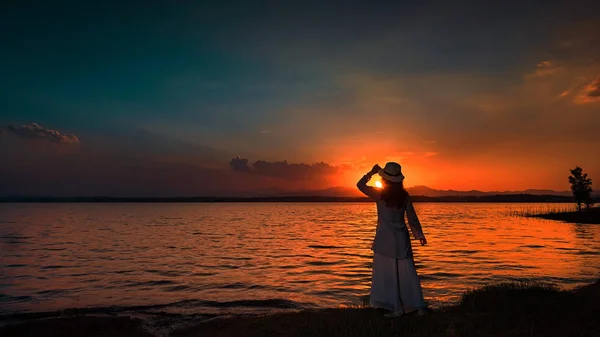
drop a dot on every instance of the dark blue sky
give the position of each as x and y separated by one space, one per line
434 84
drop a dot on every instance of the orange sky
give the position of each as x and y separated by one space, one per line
488 96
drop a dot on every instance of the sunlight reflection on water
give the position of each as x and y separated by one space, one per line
214 257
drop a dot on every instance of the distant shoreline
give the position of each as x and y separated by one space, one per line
505 198
586 216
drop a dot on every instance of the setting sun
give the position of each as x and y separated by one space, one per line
378 184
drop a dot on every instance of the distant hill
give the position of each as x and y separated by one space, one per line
414 190
430 192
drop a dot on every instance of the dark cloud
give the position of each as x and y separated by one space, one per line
239 164
589 94
34 130
594 89
284 170
88 173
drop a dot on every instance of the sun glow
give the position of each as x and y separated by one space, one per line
378 184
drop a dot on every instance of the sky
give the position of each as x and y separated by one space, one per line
163 98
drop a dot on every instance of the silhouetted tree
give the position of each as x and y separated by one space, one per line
581 186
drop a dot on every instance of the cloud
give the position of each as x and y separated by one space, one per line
239 164
595 91
93 173
544 64
282 169
285 170
34 130
590 93
545 68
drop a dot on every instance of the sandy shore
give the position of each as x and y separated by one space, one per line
499 310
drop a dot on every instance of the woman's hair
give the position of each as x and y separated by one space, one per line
393 193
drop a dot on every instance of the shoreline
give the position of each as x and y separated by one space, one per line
591 216
508 309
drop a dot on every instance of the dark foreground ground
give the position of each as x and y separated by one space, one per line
499 310
590 216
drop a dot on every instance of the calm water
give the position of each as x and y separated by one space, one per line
216 258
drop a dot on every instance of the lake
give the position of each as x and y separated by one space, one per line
252 257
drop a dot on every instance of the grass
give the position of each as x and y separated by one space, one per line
92 326
515 309
562 213
546 209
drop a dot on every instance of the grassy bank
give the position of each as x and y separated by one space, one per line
499 310
590 216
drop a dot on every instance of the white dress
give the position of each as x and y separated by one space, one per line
395 284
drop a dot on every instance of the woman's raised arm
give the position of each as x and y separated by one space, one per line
369 191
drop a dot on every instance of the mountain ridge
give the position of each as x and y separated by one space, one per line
418 190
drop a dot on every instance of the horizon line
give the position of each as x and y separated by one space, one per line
282 197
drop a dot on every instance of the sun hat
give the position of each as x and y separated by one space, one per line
392 172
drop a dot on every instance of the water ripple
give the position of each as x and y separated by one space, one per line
195 258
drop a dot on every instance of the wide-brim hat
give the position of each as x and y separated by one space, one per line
392 172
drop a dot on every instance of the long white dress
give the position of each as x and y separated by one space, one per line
395 284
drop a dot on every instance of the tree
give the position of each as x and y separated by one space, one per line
581 186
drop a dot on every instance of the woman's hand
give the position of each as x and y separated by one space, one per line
423 241
375 169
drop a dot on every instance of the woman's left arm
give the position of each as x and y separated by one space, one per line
414 223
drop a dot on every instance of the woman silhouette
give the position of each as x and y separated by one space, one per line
395 284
